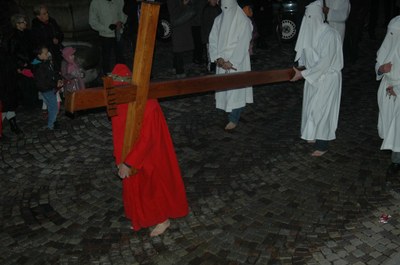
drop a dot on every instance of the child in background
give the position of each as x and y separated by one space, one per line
71 71
48 82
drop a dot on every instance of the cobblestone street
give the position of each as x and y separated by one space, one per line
256 196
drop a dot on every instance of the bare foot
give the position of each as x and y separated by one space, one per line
318 153
311 141
160 228
230 126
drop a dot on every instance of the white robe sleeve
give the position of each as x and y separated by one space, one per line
327 53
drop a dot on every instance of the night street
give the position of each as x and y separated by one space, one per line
256 196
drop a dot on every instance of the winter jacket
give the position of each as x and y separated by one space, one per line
46 77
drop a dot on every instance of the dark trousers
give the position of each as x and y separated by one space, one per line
179 63
198 45
108 45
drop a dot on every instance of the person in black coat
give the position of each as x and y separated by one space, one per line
8 89
45 31
20 47
210 12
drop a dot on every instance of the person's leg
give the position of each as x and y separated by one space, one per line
179 64
119 51
198 47
233 118
50 99
321 147
11 117
106 48
234 115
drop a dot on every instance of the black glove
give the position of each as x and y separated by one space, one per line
112 26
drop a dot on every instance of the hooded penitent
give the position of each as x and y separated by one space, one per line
389 106
311 28
230 39
319 50
390 50
156 192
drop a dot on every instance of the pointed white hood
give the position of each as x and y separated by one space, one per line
311 28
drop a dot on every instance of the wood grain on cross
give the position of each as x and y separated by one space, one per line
141 88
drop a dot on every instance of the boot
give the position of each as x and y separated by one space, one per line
14 127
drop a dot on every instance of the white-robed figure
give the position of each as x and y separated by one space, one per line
319 51
337 12
388 71
229 43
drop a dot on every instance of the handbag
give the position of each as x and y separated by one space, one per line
71 85
185 16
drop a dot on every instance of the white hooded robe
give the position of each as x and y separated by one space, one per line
389 106
319 49
230 39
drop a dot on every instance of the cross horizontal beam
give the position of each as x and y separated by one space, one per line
97 97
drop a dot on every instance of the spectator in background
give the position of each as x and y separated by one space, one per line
45 31
247 7
388 69
48 82
337 12
229 41
263 18
181 14
8 89
354 28
198 51
107 18
210 12
319 55
71 71
20 46
132 23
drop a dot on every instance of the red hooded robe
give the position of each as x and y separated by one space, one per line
156 192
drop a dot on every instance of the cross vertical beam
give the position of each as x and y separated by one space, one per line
141 73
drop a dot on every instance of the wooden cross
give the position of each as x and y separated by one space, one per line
141 88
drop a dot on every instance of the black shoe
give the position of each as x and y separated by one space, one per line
14 127
393 169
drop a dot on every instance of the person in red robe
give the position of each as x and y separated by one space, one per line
155 193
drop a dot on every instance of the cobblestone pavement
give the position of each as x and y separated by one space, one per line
256 195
